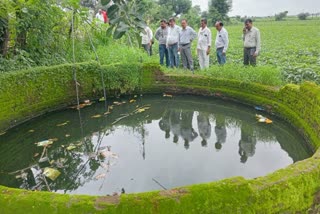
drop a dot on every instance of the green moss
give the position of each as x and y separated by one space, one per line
25 94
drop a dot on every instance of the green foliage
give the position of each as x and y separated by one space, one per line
171 8
193 17
281 16
218 10
303 16
118 53
125 18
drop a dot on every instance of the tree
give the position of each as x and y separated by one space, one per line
303 16
218 10
281 16
193 16
174 7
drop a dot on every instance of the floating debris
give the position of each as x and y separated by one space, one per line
108 112
135 96
102 99
104 165
108 154
45 143
141 109
96 116
67 135
36 155
82 105
43 159
71 147
167 95
132 101
23 176
60 162
51 173
259 108
31 131
102 175
117 103
262 119
63 124
2 133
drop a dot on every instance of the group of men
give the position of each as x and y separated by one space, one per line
175 40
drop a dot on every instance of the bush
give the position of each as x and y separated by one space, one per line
303 16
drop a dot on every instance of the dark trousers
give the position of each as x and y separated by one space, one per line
248 57
163 51
146 47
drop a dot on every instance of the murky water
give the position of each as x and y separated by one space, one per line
152 143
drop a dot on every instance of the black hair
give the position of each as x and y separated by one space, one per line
184 20
172 19
248 21
163 20
204 20
220 23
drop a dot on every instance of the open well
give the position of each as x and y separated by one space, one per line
292 189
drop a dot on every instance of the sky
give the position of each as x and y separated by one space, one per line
267 7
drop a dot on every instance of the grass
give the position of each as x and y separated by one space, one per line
290 54
267 75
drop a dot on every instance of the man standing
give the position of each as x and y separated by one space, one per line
204 44
99 16
251 43
186 36
222 43
161 36
146 39
172 43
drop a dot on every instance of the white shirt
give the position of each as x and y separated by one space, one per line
100 17
146 36
222 39
173 35
204 39
252 39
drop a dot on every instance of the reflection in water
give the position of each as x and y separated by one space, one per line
204 127
102 157
164 123
220 130
247 143
187 132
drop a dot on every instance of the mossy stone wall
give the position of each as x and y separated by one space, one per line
28 93
25 94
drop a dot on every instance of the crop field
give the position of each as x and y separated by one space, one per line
290 53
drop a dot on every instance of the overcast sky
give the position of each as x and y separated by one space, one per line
267 7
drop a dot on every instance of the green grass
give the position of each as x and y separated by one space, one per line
267 75
290 53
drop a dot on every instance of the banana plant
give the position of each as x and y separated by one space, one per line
126 18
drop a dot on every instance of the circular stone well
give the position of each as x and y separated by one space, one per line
292 189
